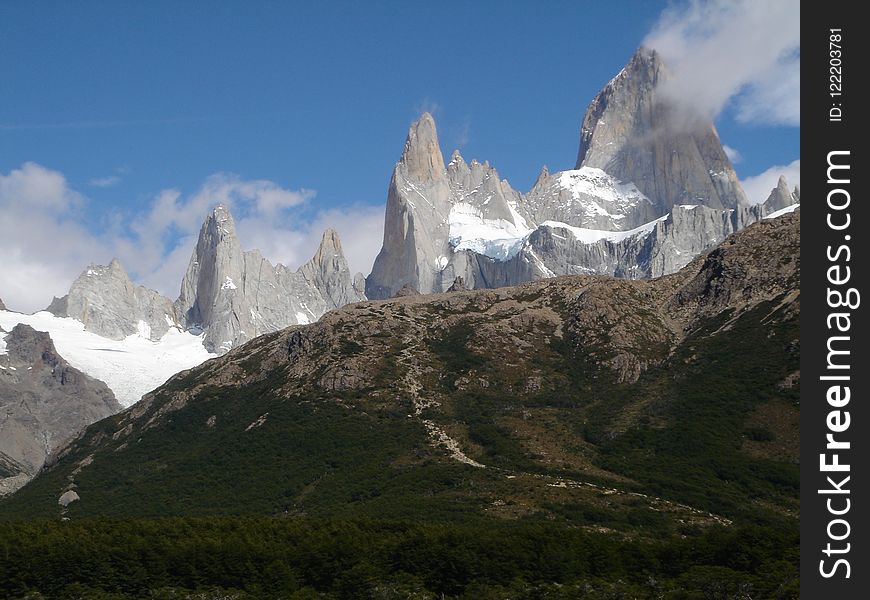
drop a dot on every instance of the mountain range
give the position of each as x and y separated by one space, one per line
651 189
676 395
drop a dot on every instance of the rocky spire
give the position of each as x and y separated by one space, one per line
635 133
2 306
234 295
423 193
329 272
214 272
415 224
781 196
422 156
109 304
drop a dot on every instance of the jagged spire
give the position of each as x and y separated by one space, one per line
632 132
422 154
780 197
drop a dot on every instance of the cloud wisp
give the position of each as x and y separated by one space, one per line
743 54
104 182
46 243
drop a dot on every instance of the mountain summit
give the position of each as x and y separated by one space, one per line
235 295
652 189
229 294
634 133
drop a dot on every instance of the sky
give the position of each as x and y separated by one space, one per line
122 123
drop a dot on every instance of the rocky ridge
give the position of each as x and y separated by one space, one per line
652 189
235 295
230 294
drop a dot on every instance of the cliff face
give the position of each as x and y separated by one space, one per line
634 134
44 402
235 295
651 190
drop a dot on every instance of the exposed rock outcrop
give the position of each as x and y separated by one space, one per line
781 196
462 220
110 305
235 295
635 134
44 402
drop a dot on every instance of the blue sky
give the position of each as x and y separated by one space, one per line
296 112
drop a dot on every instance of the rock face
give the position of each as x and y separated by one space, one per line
2 306
231 294
110 305
434 211
234 295
636 135
44 402
781 196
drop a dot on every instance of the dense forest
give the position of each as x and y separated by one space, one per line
366 559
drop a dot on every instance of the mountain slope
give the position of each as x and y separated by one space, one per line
43 402
562 398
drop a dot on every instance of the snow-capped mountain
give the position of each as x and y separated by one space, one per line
134 339
651 190
130 366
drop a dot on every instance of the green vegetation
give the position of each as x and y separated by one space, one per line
697 457
269 491
304 558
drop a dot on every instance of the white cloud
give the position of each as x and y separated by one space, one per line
758 187
732 153
104 182
46 245
42 240
34 186
743 52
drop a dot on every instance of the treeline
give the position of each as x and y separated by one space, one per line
230 557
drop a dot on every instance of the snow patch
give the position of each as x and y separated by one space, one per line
592 236
587 183
497 238
783 211
144 329
130 367
302 318
228 284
